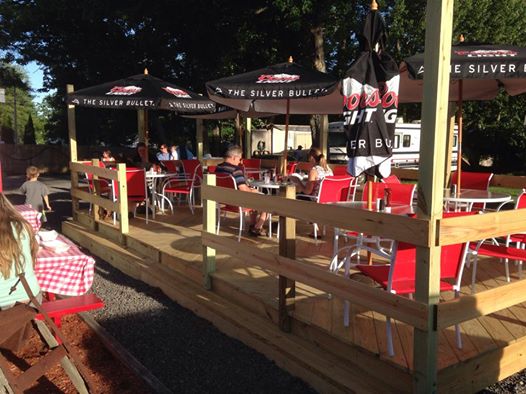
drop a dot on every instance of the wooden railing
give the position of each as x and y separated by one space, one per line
94 197
412 230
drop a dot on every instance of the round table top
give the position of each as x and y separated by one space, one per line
476 196
159 174
263 185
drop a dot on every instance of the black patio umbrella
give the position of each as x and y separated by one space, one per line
142 91
478 72
370 96
285 88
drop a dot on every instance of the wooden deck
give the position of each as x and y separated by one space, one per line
175 242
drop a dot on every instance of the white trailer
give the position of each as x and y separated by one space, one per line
406 145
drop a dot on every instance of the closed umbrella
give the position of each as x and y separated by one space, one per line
478 72
370 92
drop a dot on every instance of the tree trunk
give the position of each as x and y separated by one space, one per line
319 124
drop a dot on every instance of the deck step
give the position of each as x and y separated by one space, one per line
324 371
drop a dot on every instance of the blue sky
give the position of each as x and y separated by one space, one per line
35 76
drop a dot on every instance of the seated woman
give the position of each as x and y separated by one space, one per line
18 250
319 170
107 158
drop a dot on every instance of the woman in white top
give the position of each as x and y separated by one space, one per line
317 172
18 250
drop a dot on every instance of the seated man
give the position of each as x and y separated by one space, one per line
231 166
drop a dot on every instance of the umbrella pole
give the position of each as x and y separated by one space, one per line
370 184
459 154
285 151
146 133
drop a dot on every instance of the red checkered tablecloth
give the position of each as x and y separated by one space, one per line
69 273
30 215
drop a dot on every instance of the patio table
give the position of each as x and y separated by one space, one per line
468 197
69 273
152 179
31 215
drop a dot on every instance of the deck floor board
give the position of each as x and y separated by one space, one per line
178 238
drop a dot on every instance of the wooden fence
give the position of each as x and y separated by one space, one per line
94 196
413 230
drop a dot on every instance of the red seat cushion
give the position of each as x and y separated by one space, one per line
503 252
402 285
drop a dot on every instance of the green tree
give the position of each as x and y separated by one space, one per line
29 132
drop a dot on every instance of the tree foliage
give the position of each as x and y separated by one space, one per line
90 42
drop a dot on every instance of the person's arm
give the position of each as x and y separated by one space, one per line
46 201
309 186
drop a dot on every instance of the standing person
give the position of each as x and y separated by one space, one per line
35 191
231 166
298 154
18 249
319 170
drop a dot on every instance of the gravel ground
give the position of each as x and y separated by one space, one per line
187 353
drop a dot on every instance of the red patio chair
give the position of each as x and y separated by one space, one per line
472 180
252 168
340 170
136 189
399 276
185 186
171 166
291 167
228 181
503 252
334 188
391 179
401 194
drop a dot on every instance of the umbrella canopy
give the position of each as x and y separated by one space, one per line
370 92
268 89
142 91
477 72
484 69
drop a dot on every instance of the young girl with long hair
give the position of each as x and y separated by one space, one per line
18 250
318 171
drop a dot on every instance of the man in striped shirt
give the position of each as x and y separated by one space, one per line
231 166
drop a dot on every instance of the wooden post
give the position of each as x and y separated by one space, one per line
324 133
450 140
96 191
439 20
72 128
122 201
72 132
74 200
209 225
199 129
141 126
248 138
287 248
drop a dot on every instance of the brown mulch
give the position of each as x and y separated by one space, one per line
108 374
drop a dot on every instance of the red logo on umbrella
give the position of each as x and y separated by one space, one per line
176 92
124 90
487 53
277 78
